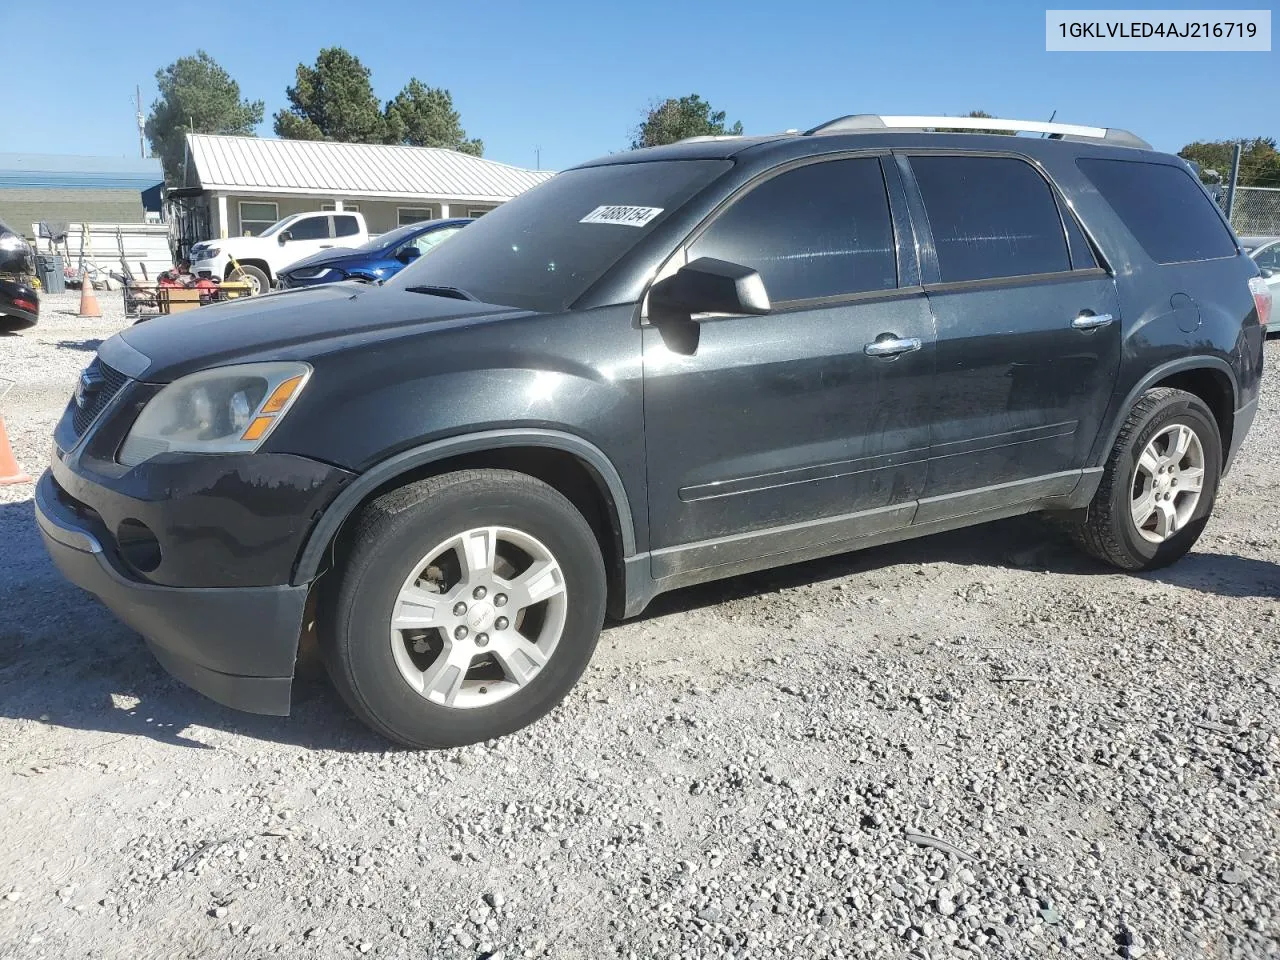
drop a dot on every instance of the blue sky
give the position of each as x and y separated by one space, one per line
574 77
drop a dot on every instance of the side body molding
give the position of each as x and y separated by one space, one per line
349 499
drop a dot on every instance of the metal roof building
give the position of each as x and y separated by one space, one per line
251 182
51 187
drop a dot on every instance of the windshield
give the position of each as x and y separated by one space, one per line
392 238
279 225
542 250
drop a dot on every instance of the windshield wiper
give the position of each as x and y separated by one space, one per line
456 293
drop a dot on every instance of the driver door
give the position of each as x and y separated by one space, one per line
771 434
307 235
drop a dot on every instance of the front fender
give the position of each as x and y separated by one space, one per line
349 500
571 381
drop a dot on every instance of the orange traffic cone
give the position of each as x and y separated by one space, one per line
88 299
10 472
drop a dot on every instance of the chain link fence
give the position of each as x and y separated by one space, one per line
1256 212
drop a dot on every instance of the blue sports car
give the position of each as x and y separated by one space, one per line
378 259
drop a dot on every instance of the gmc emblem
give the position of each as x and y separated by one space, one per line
89 382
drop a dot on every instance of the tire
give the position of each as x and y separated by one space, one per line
1110 531
389 677
253 275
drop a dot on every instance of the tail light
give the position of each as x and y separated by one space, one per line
1262 299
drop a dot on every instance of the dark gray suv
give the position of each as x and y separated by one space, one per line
656 369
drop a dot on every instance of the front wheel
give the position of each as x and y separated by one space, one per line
257 280
467 608
1158 486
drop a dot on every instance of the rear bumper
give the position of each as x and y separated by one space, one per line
236 645
1242 421
11 315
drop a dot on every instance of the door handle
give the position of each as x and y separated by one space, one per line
1092 321
326 246
891 347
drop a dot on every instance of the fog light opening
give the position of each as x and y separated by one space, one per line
138 545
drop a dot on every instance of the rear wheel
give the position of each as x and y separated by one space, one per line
467 608
1158 486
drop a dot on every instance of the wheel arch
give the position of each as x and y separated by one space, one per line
563 460
250 262
1209 378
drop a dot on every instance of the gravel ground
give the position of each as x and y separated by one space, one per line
974 745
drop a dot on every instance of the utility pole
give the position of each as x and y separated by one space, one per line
1235 178
142 124
537 152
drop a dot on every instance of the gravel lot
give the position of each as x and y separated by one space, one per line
975 745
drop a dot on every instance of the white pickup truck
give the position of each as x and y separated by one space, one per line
285 242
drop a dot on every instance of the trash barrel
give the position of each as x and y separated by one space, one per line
50 269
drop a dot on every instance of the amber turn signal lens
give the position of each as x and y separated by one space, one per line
279 397
256 429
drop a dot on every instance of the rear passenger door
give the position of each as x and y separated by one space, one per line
767 428
1028 329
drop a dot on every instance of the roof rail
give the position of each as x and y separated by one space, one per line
708 138
870 122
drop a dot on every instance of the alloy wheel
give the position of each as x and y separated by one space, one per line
478 617
1167 482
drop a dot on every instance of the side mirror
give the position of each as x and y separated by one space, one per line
408 254
708 285
285 237
1267 273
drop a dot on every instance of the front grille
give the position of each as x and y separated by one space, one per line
99 385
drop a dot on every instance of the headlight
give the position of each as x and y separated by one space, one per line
309 273
223 410
205 254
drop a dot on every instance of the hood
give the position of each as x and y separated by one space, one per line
289 325
339 257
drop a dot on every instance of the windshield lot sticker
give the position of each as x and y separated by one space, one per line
627 216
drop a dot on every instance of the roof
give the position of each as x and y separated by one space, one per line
74 172
262 165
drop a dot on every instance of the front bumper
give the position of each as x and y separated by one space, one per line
236 645
215 267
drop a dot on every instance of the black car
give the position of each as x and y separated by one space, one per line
19 305
659 368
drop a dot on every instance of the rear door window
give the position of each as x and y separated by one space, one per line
345 226
1164 207
820 230
992 217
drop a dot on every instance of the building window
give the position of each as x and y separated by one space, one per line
256 217
478 212
408 215
346 205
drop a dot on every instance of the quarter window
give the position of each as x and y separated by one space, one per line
991 217
1164 208
821 230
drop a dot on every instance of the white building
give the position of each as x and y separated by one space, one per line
241 185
